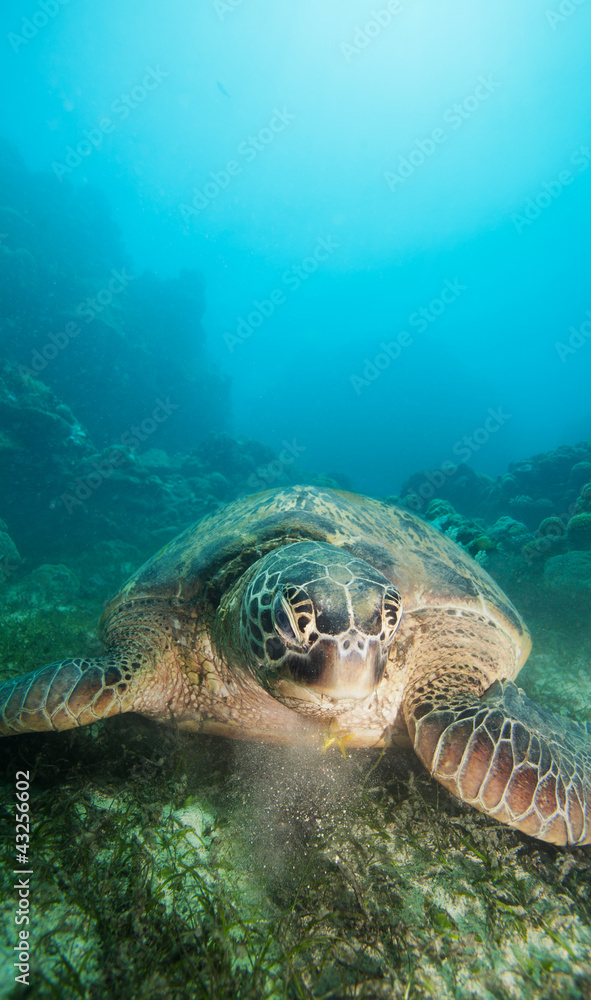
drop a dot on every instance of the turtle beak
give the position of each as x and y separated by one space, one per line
349 666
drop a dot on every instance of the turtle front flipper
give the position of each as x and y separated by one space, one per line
506 756
68 693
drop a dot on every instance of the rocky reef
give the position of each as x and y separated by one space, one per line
111 344
67 499
61 490
530 527
546 485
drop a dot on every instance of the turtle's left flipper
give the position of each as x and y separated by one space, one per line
508 757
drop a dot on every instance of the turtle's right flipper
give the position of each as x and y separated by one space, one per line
65 694
508 757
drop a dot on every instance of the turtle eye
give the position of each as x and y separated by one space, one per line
392 609
283 623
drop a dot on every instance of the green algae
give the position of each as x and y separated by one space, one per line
28 639
173 866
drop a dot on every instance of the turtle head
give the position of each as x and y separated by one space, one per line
319 617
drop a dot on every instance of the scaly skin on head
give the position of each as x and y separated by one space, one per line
361 722
316 615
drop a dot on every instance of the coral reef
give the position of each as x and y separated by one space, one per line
568 576
540 557
578 531
546 485
61 491
528 527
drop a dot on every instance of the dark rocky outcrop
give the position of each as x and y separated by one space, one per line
110 343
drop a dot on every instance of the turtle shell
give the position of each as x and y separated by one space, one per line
428 569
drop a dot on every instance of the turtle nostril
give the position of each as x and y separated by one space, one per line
346 644
360 644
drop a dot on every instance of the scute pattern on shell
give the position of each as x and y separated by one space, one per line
425 566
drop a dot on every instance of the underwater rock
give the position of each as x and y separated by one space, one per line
60 491
236 458
507 484
47 587
101 568
32 416
549 541
439 509
470 534
19 283
9 556
510 535
542 486
583 501
579 475
547 474
536 552
247 465
159 461
343 482
41 443
470 492
568 577
552 527
218 485
73 313
579 531
443 515
531 511
327 481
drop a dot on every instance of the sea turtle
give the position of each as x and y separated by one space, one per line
307 612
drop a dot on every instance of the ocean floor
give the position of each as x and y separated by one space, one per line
168 865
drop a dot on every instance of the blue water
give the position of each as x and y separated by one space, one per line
344 176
